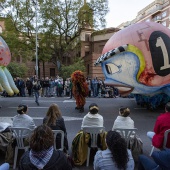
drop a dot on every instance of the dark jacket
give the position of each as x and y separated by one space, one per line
58 161
60 125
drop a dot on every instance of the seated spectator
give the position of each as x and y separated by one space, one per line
162 124
123 121
55 121
22 119
42 154
159 161
4 166
93 118
82 140
116 156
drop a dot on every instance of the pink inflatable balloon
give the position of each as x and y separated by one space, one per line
153 39
5 55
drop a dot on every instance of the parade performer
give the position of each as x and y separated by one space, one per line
80 89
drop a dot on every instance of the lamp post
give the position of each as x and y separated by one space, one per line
36 40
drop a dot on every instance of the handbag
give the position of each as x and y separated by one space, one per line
136 146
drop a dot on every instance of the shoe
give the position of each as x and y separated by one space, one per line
37 104
76 108
81 110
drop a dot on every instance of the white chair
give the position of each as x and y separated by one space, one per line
93 131
166 134
19 135
56 132
126 133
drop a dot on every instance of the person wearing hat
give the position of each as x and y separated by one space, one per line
93 118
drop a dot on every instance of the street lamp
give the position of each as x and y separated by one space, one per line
36 40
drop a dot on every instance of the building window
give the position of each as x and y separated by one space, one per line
87 53
52 72
164 14
0 29
87 37
164 23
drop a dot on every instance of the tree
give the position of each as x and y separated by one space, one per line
59 24
66 71
17 70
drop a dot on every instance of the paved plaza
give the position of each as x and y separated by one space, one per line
108 108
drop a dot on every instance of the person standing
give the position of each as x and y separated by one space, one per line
80 89
29 86
162 124
36 88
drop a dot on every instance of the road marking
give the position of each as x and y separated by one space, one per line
37 107
66 118
42 101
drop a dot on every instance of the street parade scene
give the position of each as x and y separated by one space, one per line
78 91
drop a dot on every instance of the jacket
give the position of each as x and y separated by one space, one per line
60 125
162 124
58 161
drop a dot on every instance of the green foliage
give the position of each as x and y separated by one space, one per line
66 71
17 70
58 25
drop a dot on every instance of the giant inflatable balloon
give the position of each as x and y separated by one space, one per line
6 80
137 60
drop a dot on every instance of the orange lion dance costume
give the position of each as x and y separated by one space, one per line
80 89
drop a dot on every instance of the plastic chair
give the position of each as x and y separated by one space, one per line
19 135
93 131
62 139
166 134
126 133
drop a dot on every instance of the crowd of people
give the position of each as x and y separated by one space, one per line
116 155
59 87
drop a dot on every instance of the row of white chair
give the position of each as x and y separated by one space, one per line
19 134
93 131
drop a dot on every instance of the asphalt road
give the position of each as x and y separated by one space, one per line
108 108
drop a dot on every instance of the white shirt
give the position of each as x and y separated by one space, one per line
123 123
92 120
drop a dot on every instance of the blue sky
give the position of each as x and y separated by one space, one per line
124 10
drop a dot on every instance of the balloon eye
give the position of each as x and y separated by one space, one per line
112 68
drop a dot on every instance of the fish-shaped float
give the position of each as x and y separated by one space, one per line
137 60
6 80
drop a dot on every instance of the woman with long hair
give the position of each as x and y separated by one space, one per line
55 121
116 156
42 154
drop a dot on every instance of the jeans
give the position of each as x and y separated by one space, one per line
36 95
146 163
4 166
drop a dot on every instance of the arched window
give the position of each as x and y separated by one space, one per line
0 29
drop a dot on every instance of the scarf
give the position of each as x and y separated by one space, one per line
40 159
